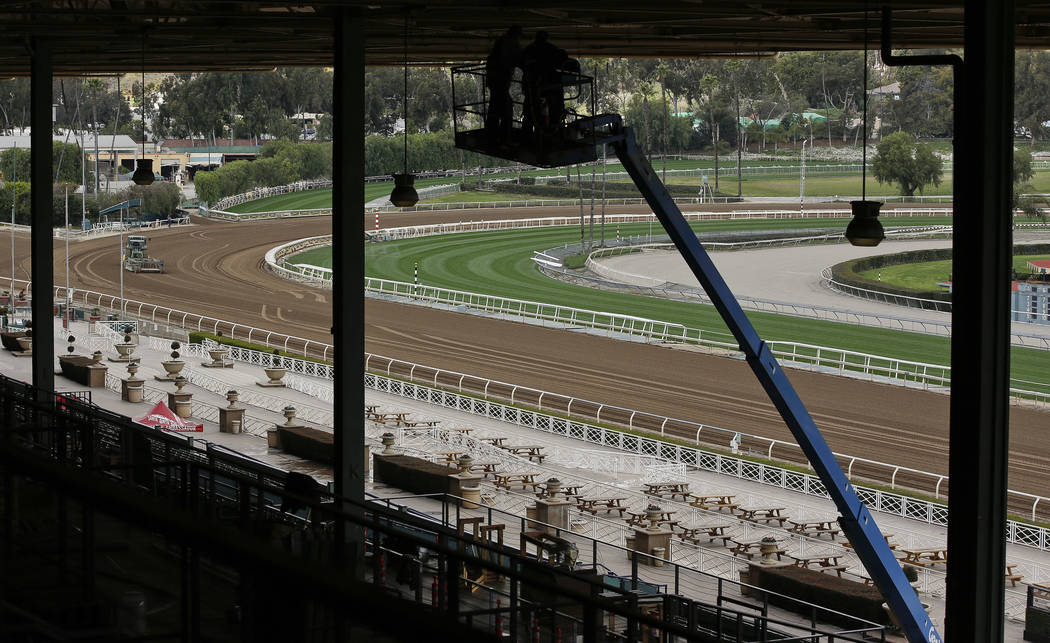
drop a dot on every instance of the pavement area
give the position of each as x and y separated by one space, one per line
601 470
790 274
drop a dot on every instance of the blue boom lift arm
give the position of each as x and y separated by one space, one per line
575 140
856 520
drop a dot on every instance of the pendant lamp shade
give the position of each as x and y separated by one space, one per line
865 229
143 172
404 193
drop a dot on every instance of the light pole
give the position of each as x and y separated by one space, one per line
66 192
14 200
802 182
120 316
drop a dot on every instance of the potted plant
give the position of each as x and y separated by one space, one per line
912 575
25 342
96 315
173 366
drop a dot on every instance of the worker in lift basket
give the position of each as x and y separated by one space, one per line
499 71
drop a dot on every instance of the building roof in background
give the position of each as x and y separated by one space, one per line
198 144
119 142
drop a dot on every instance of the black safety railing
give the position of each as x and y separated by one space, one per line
257 522
551 119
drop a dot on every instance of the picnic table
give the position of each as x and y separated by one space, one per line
814 527
416 424
450 456
371 408
496 441
594 505
751 548
890 543
566 490
530 451
641 518
822 562
462 429
515 480
1012 575
709 531
768 515
659 489
717 501
395 417
925 556
485 468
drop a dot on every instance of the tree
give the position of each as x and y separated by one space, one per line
902 160
1032 74
1022 173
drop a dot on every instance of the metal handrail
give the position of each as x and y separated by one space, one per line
198 482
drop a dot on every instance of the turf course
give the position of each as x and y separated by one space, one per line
924 275
755 185
311 199
499 263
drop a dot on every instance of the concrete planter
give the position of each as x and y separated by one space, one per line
173 367
275 375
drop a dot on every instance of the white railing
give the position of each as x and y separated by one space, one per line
614 219
155 314
631 418
199 410
893 370
260 193
310 387
273 260
312 414
884 297
808 484
271 214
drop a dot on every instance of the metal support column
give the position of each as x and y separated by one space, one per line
981 326
41 244
348 262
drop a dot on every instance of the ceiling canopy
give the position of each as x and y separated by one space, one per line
107 36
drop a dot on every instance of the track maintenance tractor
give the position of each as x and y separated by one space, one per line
136 256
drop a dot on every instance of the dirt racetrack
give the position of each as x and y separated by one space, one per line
214 269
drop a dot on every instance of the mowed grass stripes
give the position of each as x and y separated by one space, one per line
499 263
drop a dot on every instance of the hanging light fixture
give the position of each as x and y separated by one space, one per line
144 168
864 229
404 193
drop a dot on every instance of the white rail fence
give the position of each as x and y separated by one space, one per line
260 193
198 410
924 375
614 219
474 395
630 418
145 311
274 261
633 419
876 499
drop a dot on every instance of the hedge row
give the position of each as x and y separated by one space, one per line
847 596
848 272
197 337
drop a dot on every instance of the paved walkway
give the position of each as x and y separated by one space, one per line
787 274
568 459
